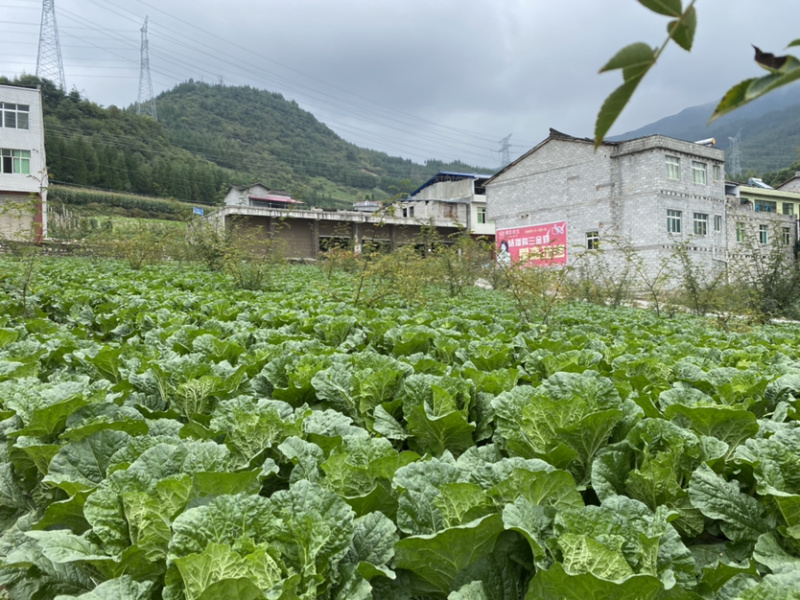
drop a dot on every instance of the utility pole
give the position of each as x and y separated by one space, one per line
146 103
505 150
736 154
49 64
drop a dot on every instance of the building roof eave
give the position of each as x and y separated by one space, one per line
554 135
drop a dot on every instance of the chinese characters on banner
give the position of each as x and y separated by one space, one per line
538 245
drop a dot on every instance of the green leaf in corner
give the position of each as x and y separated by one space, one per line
733 99
750 89
669 8
634 60
612 107
682 29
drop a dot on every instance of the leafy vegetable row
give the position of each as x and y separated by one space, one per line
165 435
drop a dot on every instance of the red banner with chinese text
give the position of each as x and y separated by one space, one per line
538 245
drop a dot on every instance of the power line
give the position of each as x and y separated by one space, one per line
379 117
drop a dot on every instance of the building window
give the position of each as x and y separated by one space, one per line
450 211
740 232
717 222
765 206
15 116
786 236
700 224
717 170
481 215
15 161
699 172
673 167
673 221
788 208
592 240
763 234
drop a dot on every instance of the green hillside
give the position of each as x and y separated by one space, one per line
209 137
282 145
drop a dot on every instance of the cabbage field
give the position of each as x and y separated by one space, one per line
164 434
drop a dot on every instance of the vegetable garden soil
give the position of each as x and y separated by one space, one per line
166 435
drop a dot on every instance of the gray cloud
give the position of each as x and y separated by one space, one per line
438 79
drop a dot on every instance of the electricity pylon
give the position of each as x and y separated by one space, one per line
49 64
146 103
736 154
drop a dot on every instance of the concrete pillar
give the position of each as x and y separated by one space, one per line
315 239
354 236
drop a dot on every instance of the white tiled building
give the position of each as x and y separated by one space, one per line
23 173
458 197
652 192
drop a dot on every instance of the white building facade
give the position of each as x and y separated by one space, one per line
458 197
257 195
23 171
652 193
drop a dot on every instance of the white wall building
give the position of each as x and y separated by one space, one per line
257 195
23 172
459 197
652 192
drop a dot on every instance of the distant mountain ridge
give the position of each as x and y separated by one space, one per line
769 126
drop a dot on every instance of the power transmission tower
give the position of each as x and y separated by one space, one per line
505 150
146 103
48 62
736 154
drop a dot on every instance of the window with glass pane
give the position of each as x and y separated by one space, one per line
765 206
740 232
698 172
14 116
700 224
673 221
15 161
763 234
788 208
673 167
717 173
786 235
592 240
717 222
481 214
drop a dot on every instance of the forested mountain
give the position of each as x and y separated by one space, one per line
209 137
282 145
768 129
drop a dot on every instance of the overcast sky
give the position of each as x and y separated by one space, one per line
445 79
